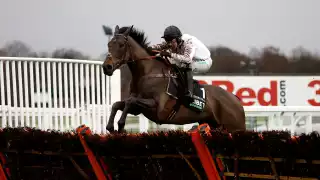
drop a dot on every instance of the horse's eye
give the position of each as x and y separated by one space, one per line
121 45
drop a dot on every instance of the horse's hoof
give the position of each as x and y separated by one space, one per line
195 127
110 129
122 131
79 128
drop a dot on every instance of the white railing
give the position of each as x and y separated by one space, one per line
296 119
42 93
56 93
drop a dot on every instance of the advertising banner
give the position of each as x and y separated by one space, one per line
270 90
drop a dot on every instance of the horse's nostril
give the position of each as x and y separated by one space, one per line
109 66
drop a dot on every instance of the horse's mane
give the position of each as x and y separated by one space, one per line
139 36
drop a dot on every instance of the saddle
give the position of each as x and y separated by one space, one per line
176 88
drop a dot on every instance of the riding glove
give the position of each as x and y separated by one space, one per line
165 53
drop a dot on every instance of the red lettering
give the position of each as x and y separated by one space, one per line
272 91
244 93
312 84
229 85
247 94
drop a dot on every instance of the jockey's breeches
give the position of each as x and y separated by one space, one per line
201 65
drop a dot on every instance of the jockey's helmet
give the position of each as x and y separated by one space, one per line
171 32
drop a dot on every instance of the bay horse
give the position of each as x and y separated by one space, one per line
156 86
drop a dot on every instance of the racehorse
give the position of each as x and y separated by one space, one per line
156 86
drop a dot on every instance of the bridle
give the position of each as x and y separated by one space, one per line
124 56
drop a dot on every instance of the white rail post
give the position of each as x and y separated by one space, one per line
143 123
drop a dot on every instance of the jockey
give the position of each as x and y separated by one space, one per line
185 51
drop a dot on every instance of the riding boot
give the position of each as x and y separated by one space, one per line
189 83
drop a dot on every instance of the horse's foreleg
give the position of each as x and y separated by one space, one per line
119 105
122 120
134 106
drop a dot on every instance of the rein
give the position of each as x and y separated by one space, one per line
154 57
150 57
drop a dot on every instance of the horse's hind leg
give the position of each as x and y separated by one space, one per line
119 105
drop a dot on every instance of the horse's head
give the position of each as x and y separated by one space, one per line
119 51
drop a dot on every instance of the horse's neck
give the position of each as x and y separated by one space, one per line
135 77
143 67
135 72
138 76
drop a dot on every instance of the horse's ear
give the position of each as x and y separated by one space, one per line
128 31
116 30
